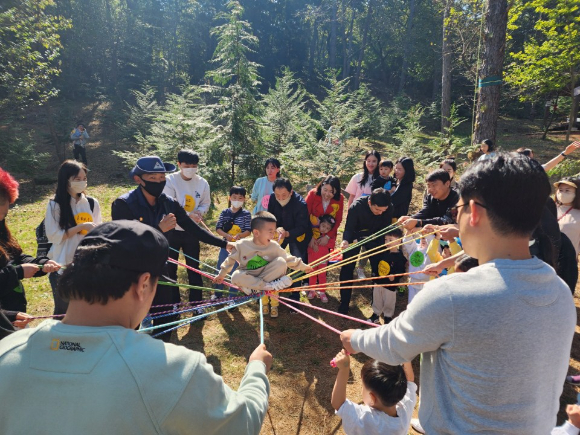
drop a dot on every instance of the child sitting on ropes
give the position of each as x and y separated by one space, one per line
316 252
389 395
262 262
391 262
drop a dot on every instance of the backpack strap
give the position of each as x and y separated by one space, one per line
91 203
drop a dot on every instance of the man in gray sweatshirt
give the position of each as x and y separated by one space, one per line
495 340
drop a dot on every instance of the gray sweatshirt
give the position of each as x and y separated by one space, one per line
496 346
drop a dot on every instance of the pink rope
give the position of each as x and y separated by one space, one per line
311 318
207 275
331 312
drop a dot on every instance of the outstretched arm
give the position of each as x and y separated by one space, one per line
558 159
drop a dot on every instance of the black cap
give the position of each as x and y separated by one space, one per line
132 245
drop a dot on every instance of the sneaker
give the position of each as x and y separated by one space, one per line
311 294
387 320
361 273
573 380
266 309
375 319
416 424
323 297
279 284
274 312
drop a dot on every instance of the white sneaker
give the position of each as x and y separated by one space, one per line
279 284
286 281
416 424
268 287
361 273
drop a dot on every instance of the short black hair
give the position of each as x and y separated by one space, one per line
188 156
94 282
489 143
282 182
260 218
525 151
386 164
465 263
438 174
388 383
237 190
380 197
512 188
395 232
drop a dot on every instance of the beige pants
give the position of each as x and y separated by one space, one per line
257 279
384 301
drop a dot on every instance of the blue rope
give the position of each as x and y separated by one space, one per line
261 323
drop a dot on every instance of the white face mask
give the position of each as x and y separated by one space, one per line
285 201
237 204
565 197
189 172
78 186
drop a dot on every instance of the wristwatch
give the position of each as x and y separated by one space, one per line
564 155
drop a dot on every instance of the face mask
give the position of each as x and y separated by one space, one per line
284 202
153 188
237 204
78 186
189 172
565 197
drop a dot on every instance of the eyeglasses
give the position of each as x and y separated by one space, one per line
454 211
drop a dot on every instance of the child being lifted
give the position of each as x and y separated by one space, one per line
262 262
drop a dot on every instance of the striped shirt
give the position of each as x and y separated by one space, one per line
242 221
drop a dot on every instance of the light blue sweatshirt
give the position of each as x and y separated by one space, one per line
64 379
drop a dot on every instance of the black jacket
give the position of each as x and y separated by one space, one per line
361 222
294 218
397 264
134 206
12 296
434 211
401 198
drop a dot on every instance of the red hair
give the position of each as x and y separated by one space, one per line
8 187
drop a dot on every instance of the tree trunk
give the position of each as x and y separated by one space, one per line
490 73
406 46
548 121
572 117
361 51
313 44
332 42
347 50
445 71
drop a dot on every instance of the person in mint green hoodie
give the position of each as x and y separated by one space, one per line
93 373
263 186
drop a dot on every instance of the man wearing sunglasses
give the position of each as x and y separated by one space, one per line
495 341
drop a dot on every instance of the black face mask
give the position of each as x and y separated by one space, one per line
153 188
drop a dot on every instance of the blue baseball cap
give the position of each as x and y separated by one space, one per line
151 165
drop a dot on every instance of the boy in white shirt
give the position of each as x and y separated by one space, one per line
191 192
389 396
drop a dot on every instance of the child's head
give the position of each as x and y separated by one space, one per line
263 227
445 251
237 196
385 168
326 223
382 384
465 263
393 238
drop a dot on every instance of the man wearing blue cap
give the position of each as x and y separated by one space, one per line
148 204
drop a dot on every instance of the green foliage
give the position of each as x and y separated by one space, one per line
28 53
567 168
550 60
408 134
448 142
286 121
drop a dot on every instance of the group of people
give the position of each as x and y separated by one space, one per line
494 339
